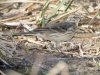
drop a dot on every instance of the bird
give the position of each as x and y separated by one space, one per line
57 32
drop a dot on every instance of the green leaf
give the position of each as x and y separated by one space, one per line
58 7
97 63
27 49
27 71
55 11
3 53
68 5
46 5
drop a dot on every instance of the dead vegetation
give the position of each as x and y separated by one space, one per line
30 55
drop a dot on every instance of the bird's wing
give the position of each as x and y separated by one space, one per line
58 27
55 28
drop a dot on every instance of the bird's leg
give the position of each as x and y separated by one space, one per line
53 48
56 46
49 47
71 44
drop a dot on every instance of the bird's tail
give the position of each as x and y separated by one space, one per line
24 34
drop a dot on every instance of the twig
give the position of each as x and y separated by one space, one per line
6 6
36 67
91 21
1 73
84 7
4 48
14 24
12 18
63 16
60 67
9 1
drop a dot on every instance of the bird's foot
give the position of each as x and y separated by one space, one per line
51 49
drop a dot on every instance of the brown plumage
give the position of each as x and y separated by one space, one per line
57 32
